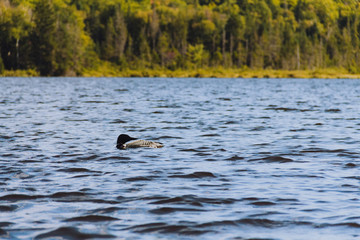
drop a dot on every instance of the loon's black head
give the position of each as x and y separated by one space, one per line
122 139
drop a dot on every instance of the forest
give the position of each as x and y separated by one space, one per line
73 37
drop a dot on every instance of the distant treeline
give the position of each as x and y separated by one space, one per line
65 37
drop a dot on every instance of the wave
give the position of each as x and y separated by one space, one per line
91 218
71 233
194 175
273 159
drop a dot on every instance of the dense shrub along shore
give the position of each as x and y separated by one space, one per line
180 38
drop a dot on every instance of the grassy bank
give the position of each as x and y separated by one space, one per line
219 72
109 71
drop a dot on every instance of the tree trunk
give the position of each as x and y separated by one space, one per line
298 57
17 53
223 45
231 48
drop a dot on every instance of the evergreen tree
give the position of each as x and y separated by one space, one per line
1 65
44 41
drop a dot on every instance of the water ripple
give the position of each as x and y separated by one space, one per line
242 158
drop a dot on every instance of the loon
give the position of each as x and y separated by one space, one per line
123 139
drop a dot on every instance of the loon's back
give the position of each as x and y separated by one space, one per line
124 138
143 143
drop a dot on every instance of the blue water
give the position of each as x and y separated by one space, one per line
243 159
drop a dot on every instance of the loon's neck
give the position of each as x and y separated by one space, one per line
120 146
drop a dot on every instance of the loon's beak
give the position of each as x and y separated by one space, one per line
133 138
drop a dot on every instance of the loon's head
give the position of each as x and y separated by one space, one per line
122 139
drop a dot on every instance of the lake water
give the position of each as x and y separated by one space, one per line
243 159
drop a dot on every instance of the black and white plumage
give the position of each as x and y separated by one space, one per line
124 138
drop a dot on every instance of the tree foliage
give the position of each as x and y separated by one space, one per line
63 37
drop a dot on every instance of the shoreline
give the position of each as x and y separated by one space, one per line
332 73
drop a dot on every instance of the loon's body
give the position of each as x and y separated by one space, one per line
123 139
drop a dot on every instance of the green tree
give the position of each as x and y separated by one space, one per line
115 36
20 28
144 49
235 27
178 30
154 26
163 47
15 27
197 55
72 42
1 65
44 41
202 28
